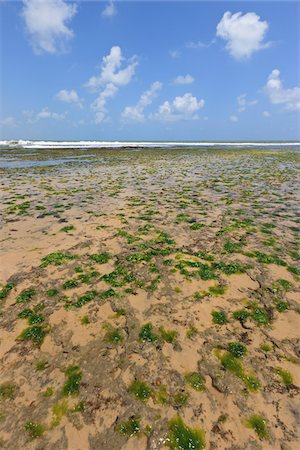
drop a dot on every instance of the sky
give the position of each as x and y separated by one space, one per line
156 70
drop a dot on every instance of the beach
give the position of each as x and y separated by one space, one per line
147 292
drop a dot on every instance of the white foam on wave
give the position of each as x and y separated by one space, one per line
148 144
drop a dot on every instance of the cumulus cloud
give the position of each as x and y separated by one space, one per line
200 44
182 108
110 9
234 118
266 114
290 98
8 121
44 114
244 34
110 79
174 54
46 22
184 79
136 112
69 97
243 102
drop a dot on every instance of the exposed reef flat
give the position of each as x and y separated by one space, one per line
150 299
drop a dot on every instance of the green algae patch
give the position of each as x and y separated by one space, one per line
131 427
112 335
258 424
265 347
82 300
25 296
281 305
100 258
7 391
146 334
180 398
195 380
285 375
241 315
31 316
236 349
168 335
219 317
233 247
140 390
59 410
70 284
36 334
52 292
191 332
217 290
259 315
232 364
67 228
34 429
197 226
56 259
182 437
6 290
72 385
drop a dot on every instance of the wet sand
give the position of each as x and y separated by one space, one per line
144 285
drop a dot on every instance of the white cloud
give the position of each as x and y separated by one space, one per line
243 102
110 79
200 44
234 118
174 54
181 79
69 97
136 112
33 117
46 114
278 95
244 33
8 121
46 22
110 9
266 114
182 108
109 70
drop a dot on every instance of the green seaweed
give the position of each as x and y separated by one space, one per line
100 258
195 380
182 437
7 391
180 398
34 429
285 375
70 284
35 333
258 424
6 290
231 363
131 427
56 259
146 334
168 335
112 335
219 317
140 390
236 349
25 296
72 385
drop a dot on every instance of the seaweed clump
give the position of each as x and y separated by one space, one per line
182 437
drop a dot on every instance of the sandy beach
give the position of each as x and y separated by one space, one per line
150 292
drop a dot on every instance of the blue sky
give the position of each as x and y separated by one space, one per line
149 70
